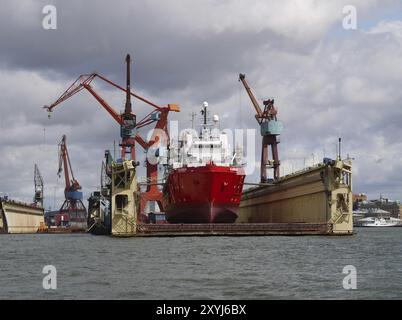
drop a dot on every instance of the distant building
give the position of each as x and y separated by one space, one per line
383 207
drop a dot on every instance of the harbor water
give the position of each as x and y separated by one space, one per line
277 267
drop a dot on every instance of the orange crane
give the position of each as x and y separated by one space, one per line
270 129
72 204
128 125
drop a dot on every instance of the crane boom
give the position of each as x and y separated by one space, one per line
242 78
65 165
76 87
105 105
84 82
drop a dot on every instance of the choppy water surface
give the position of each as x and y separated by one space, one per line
99 267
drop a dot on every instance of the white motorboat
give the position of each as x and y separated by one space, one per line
379 222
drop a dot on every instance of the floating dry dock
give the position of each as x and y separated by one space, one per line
232 229
18 217
315 201
320 195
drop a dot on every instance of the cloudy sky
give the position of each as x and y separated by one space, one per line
327 81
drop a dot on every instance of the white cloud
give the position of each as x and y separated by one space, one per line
388 27
303 20
364 91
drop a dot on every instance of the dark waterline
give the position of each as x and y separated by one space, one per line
98 267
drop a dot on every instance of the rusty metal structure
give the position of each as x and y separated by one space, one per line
38 181
232 229
72 205
270 129
129 125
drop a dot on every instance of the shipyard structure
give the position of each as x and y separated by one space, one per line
199 187
318 195
18 217
316 201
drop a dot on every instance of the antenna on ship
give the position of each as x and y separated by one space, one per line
192 114
204 112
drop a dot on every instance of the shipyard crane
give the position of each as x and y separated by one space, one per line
129 125
72 204
38 181
270 129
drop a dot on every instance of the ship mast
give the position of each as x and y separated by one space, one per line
204 113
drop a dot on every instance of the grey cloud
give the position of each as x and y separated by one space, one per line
324 85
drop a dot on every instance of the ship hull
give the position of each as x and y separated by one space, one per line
207 194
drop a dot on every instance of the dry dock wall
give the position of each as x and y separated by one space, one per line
16 217
322 194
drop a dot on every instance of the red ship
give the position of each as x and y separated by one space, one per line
206 181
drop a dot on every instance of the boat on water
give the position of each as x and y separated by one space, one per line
378 222
205 182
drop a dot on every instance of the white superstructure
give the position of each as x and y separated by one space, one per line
208 144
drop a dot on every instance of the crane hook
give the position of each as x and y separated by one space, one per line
49 115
